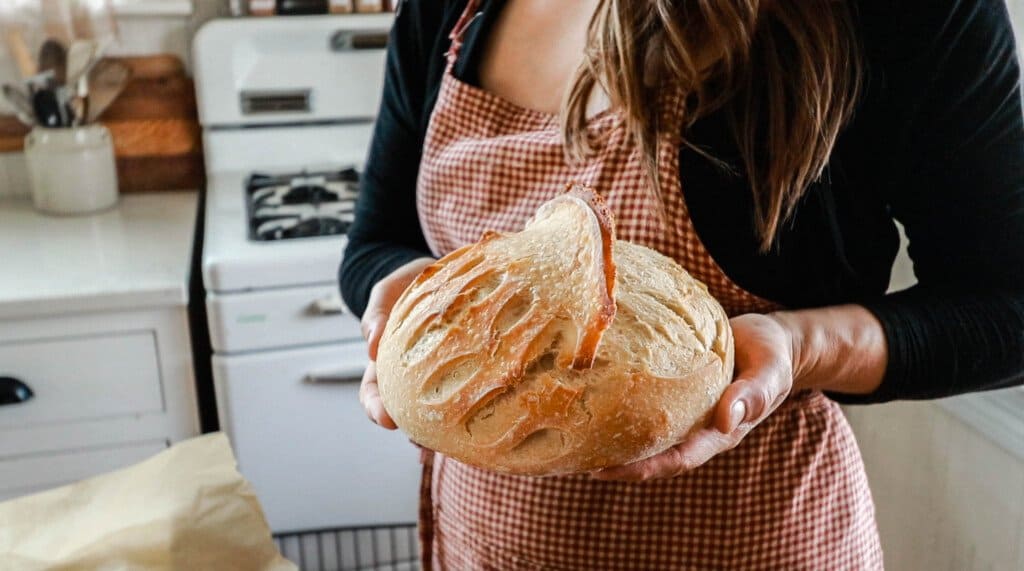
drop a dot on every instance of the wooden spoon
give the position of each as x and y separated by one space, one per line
81 55
106 81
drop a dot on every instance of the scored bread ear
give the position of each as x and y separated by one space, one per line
481 319
589 228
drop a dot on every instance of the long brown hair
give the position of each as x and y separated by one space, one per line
787 72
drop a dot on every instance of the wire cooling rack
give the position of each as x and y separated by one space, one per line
379 548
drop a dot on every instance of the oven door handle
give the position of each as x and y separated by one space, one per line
342 377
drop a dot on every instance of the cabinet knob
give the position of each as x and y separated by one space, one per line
13 391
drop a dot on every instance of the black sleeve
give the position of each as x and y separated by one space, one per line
957 186
386 233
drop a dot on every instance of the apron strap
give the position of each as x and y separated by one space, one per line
458 32
426 511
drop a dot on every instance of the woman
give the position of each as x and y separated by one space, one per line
767 146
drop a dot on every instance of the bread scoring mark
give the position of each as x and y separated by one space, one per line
541 401
516 375
449 379
512 312
721 344
543 444
531 344
445 271
455 271
435 327
484 284
425 338
680 311
472 289
481 428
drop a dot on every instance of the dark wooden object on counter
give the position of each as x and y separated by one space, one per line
155 126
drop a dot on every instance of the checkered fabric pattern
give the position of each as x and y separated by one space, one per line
793 495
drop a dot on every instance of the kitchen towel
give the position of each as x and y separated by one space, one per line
185 508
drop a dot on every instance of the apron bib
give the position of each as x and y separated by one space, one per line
792 495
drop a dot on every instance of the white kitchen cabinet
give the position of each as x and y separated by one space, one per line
41 472
93 320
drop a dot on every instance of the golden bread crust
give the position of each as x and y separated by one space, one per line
554 350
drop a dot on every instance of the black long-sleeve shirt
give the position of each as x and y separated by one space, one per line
937 143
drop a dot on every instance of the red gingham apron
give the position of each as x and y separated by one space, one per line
792 495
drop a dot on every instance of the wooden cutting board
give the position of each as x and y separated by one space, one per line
154 124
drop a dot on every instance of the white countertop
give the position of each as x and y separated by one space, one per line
137 255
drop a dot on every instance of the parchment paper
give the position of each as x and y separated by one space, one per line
185 508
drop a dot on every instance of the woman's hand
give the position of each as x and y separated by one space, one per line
763 379
382 298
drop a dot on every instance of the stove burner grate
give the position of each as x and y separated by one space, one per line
301 205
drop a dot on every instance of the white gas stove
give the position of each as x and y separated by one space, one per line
287 106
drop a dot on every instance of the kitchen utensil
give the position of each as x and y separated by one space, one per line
79 77
22 56
106 81
81 55
39 82
64 95
18 99
82 96
79 107
53 56
47 108
73 170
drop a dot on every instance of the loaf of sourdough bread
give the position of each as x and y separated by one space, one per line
554 350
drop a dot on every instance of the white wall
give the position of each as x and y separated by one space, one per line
947 498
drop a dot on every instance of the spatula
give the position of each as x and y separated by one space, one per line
81 55
106 81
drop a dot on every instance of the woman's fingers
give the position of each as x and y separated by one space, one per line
692 453
764 373
764 378
376 316
383 297
369 397
750 400
664 465
378 308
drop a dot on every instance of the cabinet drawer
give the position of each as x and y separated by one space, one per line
22 476
279 318
82 378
